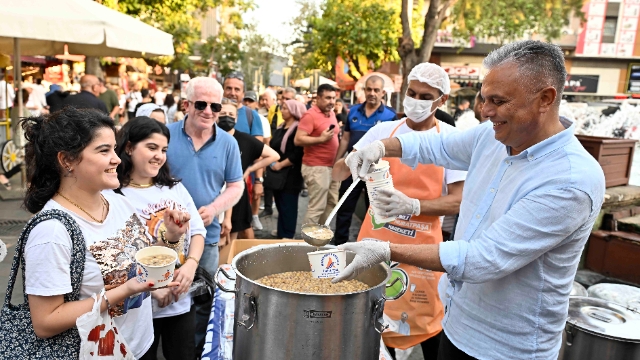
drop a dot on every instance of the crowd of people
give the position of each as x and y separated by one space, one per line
196 184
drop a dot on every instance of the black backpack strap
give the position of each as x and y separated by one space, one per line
77 253
249 113
274 119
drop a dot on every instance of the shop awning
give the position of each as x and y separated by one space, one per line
91 29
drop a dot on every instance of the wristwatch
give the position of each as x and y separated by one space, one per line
259 180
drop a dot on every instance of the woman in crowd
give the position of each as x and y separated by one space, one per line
290 160
147 183
341 112
153 111
71 161
170 107
251 150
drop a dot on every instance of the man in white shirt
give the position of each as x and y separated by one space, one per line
159 96
5 102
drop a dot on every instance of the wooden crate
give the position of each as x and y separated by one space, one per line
614 155
615 254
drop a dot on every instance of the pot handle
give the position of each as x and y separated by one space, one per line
378 308
404 289
253 312
215 279
569 335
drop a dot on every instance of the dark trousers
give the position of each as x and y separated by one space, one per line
178 339
287 205
448 351
131 115
429 348
345 213
268 199
16 169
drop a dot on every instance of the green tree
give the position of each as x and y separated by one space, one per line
362 32
179 18
498 20
301 50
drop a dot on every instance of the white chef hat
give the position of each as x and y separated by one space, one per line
431 74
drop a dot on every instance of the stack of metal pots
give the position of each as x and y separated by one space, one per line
280 325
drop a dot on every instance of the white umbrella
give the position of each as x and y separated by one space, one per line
91 29
306 82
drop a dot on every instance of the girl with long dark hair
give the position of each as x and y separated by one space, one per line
147 183
71 161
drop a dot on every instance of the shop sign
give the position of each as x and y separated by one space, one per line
581 83
462 72
633 78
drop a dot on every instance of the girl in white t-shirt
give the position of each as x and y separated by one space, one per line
71 161
147 182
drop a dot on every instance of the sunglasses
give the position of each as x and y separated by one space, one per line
201 105
235 75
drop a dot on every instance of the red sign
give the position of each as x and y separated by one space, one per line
467 72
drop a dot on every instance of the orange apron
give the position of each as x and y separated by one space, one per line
418 300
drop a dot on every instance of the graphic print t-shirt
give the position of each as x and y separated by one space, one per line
110 260
150 204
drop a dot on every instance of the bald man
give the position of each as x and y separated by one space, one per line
87 98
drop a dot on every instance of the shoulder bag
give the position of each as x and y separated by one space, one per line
18 340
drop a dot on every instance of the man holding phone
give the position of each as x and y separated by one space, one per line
318 134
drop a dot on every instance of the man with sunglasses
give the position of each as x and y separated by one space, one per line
248 120
205 158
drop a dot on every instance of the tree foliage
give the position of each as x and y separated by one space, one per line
176 17
508 20
362 32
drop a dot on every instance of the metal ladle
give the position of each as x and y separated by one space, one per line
309 228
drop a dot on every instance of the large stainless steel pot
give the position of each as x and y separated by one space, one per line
578 290
279 325
600 330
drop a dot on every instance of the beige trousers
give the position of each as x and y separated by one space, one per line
323 193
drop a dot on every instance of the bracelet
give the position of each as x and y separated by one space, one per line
194 259
104 296
175 245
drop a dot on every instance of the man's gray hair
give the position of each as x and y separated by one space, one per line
290 90
202 81
270 93
540 64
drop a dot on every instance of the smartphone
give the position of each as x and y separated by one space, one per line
332 127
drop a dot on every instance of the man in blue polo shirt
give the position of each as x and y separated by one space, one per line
362 117
248 120
205 158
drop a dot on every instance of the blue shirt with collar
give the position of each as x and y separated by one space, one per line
524 221
358 123
205 171
242 123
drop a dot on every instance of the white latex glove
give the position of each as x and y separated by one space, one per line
369 252
360 162
392 202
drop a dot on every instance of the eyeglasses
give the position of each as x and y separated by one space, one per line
201 105
235 75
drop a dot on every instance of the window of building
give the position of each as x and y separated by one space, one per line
609 30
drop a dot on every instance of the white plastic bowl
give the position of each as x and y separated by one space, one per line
160 275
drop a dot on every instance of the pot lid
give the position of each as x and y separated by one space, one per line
578 290
604 318
624 295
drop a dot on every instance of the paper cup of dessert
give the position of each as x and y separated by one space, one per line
379 172
156 264
381 182
327 263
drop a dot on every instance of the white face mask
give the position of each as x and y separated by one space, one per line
418 110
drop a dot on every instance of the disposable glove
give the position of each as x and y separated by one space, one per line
392 202
369 252
360 162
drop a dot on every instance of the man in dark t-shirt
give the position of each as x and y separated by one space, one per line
87 98
251 149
